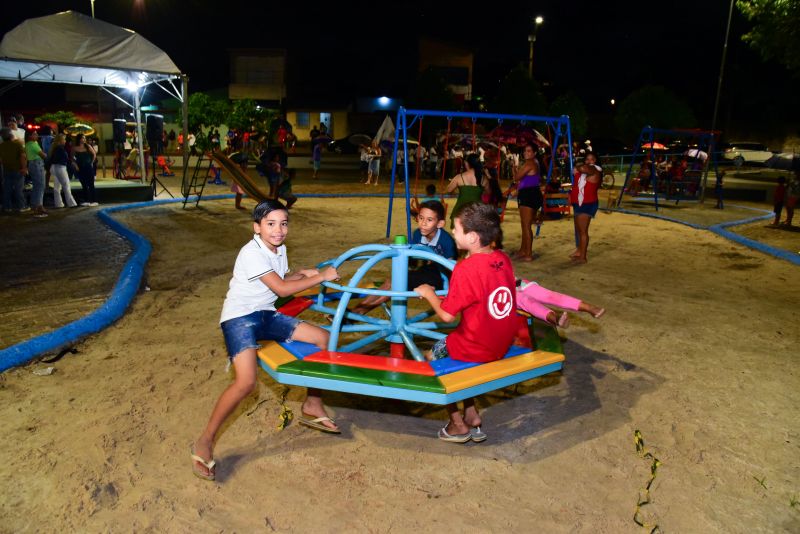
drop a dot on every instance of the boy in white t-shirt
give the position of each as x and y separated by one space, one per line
260 276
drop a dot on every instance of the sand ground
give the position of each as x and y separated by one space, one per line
698 351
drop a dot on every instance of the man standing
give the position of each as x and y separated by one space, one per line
16 132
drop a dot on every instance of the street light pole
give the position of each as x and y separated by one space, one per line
531 40
92 8
716 103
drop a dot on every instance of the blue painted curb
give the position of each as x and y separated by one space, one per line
113 308
721 230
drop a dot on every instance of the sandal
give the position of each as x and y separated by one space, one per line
208 464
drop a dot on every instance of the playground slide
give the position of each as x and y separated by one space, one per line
241 178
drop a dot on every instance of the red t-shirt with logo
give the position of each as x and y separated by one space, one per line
482 289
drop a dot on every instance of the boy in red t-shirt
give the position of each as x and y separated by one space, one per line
482 289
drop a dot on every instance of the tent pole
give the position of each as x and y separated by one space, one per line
137 116
185 126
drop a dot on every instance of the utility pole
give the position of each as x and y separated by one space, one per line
716 103
531 41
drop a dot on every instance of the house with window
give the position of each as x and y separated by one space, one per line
305 113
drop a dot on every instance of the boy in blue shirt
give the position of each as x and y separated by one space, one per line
431 233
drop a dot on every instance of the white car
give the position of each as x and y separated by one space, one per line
746 152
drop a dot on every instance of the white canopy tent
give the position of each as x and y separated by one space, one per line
71 48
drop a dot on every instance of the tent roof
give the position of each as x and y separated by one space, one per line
70 47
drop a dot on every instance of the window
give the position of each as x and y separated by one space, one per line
303 119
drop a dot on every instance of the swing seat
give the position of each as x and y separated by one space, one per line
557 203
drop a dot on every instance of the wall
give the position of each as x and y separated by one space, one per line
338 119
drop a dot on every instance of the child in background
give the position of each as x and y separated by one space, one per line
531 297
778 199
316 155
430 194
274 173
285 188
482 291
260 276
793 192
431 233
718 190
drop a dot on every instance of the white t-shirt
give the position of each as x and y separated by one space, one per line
19 134
247 293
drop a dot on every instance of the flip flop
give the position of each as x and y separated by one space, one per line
454 438
477 435
599 314
563 321
207 464
316 424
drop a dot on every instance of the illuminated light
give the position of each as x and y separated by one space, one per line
384 100
539 20
613 101
131 86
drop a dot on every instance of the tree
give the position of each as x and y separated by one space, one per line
432 92
246 114
63 119
653 106
205 111
776 30
570 104
519 94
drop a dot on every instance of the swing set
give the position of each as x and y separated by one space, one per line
557 128
692 185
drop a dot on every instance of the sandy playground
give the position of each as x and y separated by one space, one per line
698 350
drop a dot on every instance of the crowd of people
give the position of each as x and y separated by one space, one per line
37 156
476 175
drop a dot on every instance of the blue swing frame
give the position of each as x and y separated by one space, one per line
560 126
706 138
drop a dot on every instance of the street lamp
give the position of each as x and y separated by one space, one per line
531 40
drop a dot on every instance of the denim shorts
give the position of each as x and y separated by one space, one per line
589 209
439 350
245 332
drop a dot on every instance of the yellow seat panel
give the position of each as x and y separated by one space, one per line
273 354
498 369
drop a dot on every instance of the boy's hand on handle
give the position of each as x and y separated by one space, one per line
330 274
425 291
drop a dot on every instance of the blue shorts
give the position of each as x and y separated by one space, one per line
439 350
587 209
245 332
317 165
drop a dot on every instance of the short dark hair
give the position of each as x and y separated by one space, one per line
483 220
781 179
435 206
430 189
265 207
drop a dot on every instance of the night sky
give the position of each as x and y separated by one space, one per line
338 49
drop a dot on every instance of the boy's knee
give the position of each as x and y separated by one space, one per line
245 385
322 339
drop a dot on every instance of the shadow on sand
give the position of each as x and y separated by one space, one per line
538 418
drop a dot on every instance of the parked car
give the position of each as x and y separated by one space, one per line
345 146
745 152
